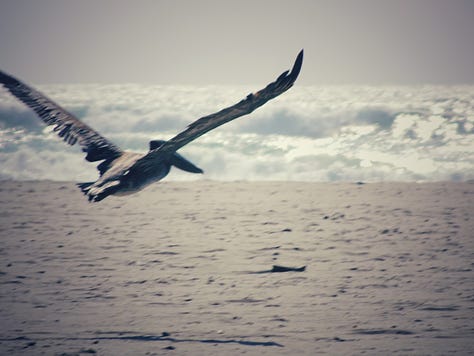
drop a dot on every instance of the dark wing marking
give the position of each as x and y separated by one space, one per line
199 127
67 126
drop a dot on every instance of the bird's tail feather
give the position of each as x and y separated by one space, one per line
94 193
85 186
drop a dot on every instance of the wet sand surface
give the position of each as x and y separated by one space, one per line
187 269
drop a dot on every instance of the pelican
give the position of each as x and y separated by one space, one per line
122 172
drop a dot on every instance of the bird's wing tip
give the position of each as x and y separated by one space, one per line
295 71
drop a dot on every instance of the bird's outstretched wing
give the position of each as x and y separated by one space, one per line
199 127
67 125
246 106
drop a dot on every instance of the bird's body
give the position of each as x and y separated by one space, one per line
123 172
115 180
120 180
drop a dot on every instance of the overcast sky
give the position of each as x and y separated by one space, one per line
238 41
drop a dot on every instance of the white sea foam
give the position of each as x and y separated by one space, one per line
310 133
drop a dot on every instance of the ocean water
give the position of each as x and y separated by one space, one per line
311 133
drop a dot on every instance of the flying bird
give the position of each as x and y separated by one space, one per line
123 172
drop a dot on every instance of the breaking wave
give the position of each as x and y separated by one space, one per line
334 133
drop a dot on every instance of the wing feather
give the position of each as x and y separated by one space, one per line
199 127
67 126
254 100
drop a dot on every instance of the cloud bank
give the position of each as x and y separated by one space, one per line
333 133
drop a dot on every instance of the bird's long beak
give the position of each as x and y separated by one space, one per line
182 163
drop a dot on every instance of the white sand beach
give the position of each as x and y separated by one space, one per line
183 268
